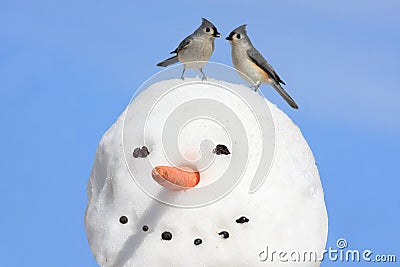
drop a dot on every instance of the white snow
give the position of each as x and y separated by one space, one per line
287 213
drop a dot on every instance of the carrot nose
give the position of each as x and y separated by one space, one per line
176 178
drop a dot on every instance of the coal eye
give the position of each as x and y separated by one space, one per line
208 29
238 36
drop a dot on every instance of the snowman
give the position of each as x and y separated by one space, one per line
204 173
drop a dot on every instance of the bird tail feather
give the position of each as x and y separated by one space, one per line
284 94
168 61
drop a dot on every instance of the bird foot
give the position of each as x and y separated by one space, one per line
256 86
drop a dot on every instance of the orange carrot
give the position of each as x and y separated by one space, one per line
175 178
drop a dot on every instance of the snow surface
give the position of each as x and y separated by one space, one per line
287 213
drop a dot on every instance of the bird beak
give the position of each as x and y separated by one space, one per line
217 35
229 38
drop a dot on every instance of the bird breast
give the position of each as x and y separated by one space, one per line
200 50
246 68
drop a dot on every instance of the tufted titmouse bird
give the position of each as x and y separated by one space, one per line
196 49
252 66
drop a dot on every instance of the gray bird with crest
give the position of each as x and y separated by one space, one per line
196 49
252 66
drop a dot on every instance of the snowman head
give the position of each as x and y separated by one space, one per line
208 168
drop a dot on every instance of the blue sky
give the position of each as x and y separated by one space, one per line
69 68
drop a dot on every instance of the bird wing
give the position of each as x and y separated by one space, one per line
260 61
183 45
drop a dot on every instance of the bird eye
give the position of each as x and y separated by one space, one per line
208 29
238 36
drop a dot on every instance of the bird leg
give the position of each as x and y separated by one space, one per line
204 76
183 73
256 86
